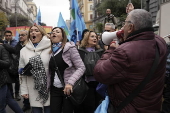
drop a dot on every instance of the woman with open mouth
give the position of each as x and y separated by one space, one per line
34 85
66 59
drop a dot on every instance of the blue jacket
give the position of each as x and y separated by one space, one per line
13 42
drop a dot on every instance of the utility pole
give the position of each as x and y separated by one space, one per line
16 13
147 5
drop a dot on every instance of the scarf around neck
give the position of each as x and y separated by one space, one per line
35 44
56 46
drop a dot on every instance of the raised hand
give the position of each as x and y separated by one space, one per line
129 7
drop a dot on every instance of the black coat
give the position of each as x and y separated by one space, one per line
4 62
82 53
9 48
18 47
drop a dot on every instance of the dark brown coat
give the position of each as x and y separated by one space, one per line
125 67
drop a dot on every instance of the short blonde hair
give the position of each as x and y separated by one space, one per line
84 42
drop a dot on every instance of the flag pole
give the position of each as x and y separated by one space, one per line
77 34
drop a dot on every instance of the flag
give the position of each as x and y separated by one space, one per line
38 18
61 23
17 36
77 22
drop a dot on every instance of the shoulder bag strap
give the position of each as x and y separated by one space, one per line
57 71
135 92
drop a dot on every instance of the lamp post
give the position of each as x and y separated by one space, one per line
16 12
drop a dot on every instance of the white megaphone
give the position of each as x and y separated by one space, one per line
108 37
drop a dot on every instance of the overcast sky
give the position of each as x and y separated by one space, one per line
50 10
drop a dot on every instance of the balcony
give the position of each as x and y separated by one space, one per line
29 10
9 10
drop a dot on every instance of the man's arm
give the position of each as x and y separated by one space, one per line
9 48
110 69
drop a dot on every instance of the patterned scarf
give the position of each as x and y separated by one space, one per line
56 46
40 78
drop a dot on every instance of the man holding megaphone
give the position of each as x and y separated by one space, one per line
123 67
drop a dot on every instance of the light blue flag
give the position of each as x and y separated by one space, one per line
17 36
38 18
102 108
61 23
77 24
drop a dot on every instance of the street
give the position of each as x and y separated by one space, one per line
8 110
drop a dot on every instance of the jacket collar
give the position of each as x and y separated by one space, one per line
142 34
68 45
43 44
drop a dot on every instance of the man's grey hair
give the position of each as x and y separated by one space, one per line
140 18
110 24
24 31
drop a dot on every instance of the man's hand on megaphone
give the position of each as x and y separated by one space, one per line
114 44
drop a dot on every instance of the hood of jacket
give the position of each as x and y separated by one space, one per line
43 44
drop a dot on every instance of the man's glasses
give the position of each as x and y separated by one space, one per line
21 35
123 23
8 35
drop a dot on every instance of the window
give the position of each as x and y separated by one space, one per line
91 16
91 7
90 26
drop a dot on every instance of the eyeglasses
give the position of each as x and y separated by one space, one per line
123 23
21 35
8 35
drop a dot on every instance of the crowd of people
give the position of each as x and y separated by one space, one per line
122 66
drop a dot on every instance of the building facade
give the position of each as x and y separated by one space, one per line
32 8
153 7
5 6
98 18
86 8
24 7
